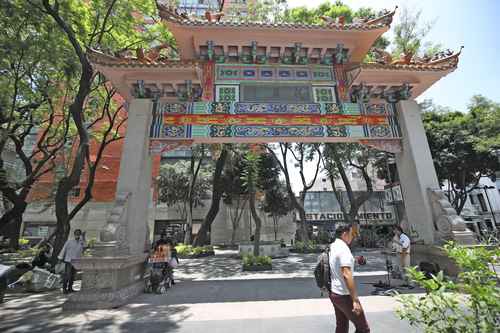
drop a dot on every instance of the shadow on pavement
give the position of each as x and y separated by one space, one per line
188 292
36 313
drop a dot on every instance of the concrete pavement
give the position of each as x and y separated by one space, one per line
210 303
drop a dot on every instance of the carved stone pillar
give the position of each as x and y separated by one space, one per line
431 219
114 272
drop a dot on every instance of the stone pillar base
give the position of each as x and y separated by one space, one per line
433 254
107 282
465 237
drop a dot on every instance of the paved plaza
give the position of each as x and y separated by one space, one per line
213 295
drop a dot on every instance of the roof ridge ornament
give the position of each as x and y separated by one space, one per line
386 18
441 60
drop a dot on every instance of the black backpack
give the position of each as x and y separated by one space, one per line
322 271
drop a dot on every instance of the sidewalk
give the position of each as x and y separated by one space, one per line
224 266
212 300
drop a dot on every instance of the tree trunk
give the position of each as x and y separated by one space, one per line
233 235
304 234
275 222
189 226
217 191
62 216
15 232
258 224
14 220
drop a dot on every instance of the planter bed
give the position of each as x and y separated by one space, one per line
257 268
195 256
306 251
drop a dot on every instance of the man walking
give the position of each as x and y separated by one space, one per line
72 249
344 295
404 251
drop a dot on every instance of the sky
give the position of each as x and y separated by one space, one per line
473 24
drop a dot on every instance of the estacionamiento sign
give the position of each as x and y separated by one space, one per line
364 217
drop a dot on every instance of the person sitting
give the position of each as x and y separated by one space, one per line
42 259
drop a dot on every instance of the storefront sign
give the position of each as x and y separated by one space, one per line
364 217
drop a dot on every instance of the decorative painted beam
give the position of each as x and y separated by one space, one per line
273 119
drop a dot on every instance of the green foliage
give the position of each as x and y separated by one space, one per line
174 185
306 247
410 32
189 250
462 145
251 260
27 252
469 304
276 201
23 241
485 115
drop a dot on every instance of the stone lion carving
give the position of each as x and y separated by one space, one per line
114 231
448 224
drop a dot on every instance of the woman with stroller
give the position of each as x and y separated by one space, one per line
162 262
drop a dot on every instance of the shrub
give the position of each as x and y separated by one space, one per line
469 304
251 260
188 250
26 253
23 243
307 246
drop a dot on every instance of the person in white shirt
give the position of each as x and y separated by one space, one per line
344 295
404 250
72 249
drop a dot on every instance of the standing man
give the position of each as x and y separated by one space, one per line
72 249
344 295
404 251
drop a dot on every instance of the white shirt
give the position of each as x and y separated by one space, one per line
72 249
340 256
405 242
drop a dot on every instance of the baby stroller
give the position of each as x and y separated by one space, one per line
159 276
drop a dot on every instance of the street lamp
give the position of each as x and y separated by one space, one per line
485 188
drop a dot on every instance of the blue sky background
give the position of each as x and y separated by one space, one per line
474 24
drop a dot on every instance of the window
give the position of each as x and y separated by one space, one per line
269 93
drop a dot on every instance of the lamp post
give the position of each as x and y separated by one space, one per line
485 189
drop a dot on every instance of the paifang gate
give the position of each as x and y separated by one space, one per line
258 82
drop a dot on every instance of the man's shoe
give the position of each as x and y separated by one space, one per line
65 291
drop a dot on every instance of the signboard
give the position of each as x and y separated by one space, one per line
324 218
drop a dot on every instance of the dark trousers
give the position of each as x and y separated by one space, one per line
343 313
69 276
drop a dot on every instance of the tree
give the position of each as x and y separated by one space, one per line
217 192
183 187
485 115
302 153
195 188
250 179
277 204
235 195
338 158
100 24
409 34
459 144
260 174
29 103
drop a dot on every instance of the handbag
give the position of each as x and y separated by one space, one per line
173 262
